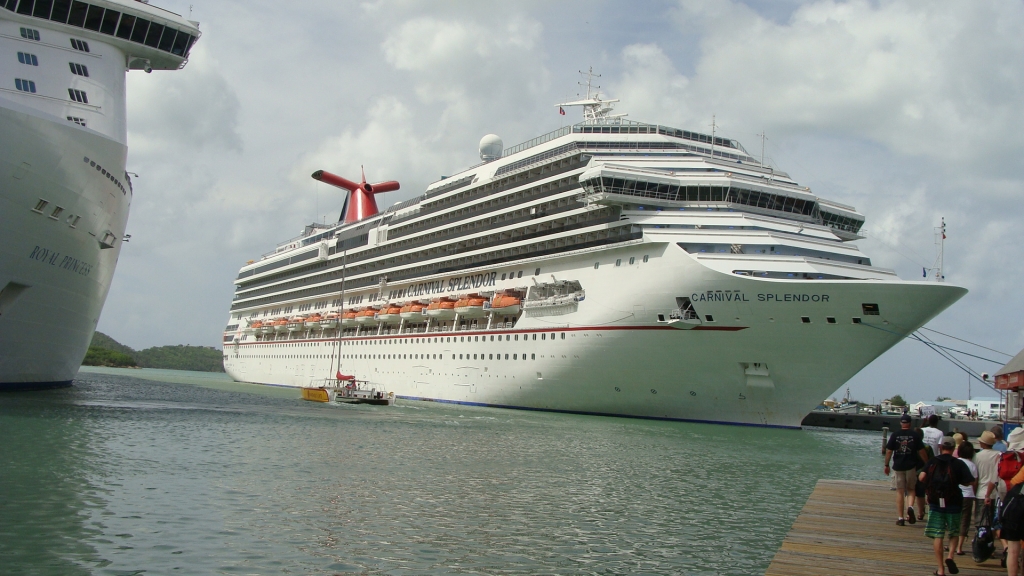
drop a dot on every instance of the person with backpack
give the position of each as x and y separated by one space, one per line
905 450
965 452
942 477
1011 515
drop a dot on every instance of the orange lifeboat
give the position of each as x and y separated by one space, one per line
280 325
413 312
505 305
253 328
313 321
391 314
348 318
295 323
470 306
441 309
329 321
366 315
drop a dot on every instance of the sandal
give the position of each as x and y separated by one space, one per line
951 566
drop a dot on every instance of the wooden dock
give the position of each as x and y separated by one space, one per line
849 527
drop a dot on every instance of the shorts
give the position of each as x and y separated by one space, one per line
906 480
965 515
941 524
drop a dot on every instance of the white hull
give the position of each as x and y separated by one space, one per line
45 331
613 356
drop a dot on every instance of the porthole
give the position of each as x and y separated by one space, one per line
653 391
617 389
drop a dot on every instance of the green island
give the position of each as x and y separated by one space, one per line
105 351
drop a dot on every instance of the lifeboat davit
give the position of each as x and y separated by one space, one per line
313 321
348 318
391 314
505 305
413 312
281 325
442 309
366 316
295 323
329 321
471 306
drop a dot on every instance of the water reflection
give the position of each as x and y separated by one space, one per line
213 476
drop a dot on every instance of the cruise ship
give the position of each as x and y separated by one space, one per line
610 267
64 188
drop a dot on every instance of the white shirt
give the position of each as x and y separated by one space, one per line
969 490
933 437
987 461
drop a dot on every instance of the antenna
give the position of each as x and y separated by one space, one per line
590 79
713 127
763 138
940 241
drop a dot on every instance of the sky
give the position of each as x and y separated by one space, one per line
910 111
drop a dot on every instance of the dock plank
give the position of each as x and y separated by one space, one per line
849 528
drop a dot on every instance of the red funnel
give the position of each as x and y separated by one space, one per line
360 204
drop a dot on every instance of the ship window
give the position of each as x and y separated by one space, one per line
153 37
532 356
520 274
563 335
534 336
77 95
618 261
139 30
543 336
78 69
517 337
490 356
60 11
29 33
869 309
856 320
29 59
597 265
552 335
76 17
42 8
830 320
805 319
110 19
709 317
124 30
77 120
40 205
537 272
93 18
632 259
25 85
645 257
503 276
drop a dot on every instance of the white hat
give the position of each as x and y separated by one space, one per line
1016 439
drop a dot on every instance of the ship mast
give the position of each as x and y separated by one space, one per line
595 109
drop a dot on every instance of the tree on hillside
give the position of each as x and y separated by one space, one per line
897 400
943 399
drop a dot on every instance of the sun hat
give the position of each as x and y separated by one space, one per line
987 437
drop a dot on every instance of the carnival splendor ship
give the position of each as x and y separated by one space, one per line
609 267
64 191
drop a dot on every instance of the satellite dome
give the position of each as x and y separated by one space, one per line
490 147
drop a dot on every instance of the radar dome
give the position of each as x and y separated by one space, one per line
490 147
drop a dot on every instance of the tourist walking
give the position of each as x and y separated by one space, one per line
932 435
943 476
987 461
966 454
905 450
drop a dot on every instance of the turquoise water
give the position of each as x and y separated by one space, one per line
164 472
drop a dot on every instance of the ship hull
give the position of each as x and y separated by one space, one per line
54 275
752 360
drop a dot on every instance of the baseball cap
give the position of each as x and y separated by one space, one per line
905 418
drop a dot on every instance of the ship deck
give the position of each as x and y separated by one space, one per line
849 527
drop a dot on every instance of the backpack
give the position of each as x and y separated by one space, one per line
983 546
941 484
1011 512
1010 463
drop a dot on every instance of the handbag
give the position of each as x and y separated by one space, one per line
983 546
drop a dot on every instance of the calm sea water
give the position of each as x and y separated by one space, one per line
162 472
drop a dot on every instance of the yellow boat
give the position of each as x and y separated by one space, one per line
316 394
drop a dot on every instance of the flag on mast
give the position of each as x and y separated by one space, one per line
561 111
